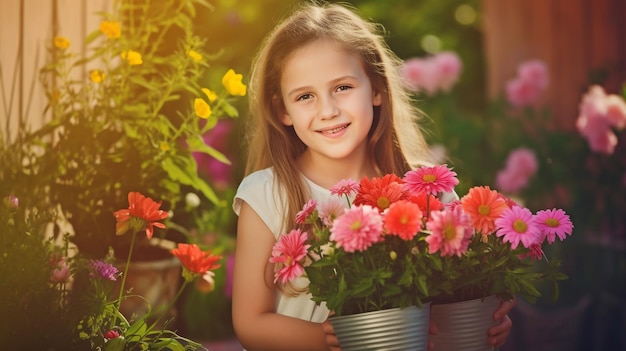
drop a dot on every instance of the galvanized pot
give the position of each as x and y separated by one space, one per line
387 330
462 326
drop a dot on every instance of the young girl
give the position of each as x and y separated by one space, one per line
327 104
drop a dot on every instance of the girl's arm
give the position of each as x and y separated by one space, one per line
257 325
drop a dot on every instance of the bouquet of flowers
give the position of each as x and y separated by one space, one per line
396 244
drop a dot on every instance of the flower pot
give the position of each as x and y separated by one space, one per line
151 284
463 325
392 329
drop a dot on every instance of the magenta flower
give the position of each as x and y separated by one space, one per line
432 74
358 228
517 224
451 231
104 270
449 67
306 211
554 223
430 180
347 187
290 250
598 114
530 83
112 334
521 165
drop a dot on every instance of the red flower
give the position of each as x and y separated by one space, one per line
380 192
194 260
403 219
142 213
433 204
112 334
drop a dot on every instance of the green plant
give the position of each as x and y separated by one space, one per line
131 126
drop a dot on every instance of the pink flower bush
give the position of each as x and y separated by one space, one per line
530 83
434 73
521 165
599 114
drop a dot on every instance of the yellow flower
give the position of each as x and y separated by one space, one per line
203 110
96 76
232 83
110 29
133 57
194 55
61 42
210 94
164 146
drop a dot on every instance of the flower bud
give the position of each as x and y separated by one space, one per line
112 334
192 200
393 255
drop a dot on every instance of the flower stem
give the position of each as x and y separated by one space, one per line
130 252
169 305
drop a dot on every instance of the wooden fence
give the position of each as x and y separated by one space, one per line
27 28
578 39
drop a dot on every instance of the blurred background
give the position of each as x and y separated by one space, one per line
480 119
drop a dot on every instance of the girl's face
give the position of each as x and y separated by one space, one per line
328 100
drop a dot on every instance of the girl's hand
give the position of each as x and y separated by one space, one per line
498 334
331 338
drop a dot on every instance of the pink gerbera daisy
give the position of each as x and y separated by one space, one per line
347 187
554 223
306 211
517 225
331 209
358 228
404 219
430 180
290 250
451 232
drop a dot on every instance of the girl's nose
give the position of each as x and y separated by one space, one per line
328 108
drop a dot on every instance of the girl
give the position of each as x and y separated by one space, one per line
327 104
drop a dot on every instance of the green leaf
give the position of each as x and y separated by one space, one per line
197 144
184 170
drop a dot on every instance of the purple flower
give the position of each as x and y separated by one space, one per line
104 270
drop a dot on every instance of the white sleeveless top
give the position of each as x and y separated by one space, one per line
258 191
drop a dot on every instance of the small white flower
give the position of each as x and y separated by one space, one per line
192 200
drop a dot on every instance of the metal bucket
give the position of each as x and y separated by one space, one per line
462 326
386 330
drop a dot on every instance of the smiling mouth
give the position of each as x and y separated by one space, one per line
334 130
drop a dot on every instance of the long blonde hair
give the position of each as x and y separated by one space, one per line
396 142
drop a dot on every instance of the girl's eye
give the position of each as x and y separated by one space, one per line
343 87
304 97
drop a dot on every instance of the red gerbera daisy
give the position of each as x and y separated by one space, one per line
427 206
484 206
195 261
404 219
380 192
142 213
